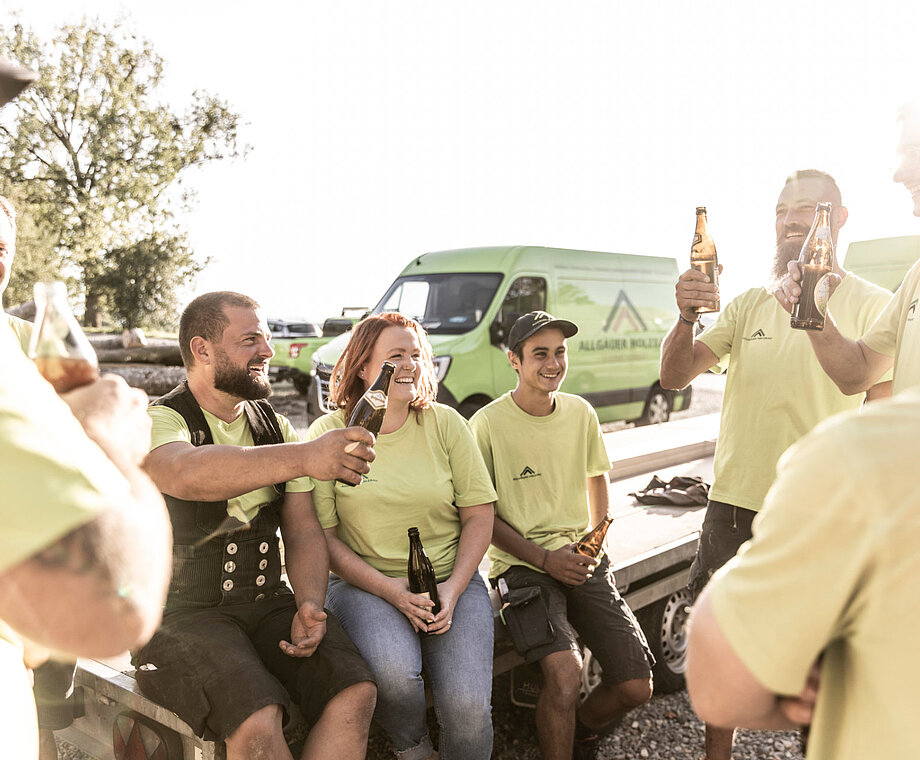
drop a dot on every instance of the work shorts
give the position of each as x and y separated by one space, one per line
725 528
215 667
594 612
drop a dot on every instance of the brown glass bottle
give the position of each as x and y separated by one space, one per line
59 348
592 543
372 406
703 256
816 261
420 573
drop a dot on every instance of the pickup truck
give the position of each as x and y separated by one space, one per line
293 353
651 549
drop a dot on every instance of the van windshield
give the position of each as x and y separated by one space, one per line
444 304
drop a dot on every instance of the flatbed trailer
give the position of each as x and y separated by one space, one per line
651 549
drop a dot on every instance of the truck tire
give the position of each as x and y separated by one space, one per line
657 407
665 626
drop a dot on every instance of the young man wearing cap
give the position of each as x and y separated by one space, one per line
547 459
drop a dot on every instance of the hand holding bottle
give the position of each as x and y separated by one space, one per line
59 348
567 566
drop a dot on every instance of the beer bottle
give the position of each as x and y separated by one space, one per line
592 543
420 572
703 255
59 348
372 406
816 262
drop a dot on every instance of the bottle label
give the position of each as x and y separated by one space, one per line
822 293
377 399
697 239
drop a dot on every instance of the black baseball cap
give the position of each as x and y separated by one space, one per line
13 80
533 322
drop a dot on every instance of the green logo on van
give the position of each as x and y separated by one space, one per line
624 313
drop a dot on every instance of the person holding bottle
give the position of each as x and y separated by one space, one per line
893 341
547 458
427 474
84 551
775 391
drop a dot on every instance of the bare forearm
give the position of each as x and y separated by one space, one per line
99 590
354 570
847 362
214 473
677 357
598 498
307 565
509 540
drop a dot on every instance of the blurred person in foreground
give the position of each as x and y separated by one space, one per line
52 680
830 577
546 455
775 390
240 656
428 474
894 338
84 553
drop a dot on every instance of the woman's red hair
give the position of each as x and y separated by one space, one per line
346 386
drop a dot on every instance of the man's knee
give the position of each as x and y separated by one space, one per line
256 735
562 677
636 692
355 704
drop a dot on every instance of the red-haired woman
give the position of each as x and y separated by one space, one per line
428 473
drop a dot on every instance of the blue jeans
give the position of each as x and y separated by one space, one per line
457 664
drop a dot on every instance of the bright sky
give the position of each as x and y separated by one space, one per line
382 130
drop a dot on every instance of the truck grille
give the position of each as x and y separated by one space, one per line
323 375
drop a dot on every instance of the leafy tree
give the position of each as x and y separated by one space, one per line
99 159
141 279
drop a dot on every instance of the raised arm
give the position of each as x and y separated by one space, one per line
683 357
851 364
188 472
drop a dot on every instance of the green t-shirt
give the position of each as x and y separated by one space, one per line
833 568
896 332
423 473
53 478
776 390
169 427
21 329
540 467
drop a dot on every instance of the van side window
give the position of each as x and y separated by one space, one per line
525 294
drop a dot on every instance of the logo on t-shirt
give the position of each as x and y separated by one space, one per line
911 310
759 335
528 472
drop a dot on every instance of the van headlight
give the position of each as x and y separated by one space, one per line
441 363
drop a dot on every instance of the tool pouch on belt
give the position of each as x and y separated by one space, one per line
527 619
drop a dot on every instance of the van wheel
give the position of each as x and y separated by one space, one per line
665 627
590 675
657 407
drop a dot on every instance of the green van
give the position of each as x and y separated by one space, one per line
884 261
467 300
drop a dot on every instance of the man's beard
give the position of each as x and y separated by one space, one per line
236 381
785 252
